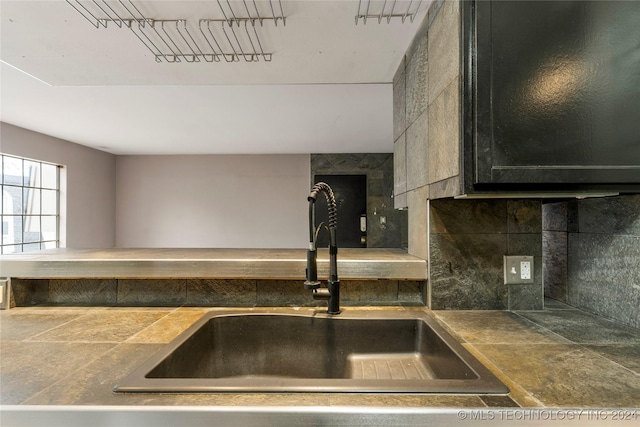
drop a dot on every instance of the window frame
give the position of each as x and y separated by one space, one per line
28 217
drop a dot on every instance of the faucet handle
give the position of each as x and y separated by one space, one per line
310 284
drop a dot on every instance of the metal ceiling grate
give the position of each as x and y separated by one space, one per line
233 37
386 10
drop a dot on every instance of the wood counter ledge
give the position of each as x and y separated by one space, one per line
284 264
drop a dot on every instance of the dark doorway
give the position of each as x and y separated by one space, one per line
350 192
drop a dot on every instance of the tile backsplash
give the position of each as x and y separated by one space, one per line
468 239
206 292
592 255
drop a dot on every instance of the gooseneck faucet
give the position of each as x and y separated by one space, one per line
332 292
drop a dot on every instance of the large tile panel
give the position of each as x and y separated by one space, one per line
103 326
564 375
603 274
221 293
83 291
369 292
524 216
411 292
29 367
92 384
168 327
468 216
26 292
416 77
526 297
444 48
627 355
417 153
18 324
417 221
555 216
610 215
496 327
285 293
584 328
400 166
399 105
555 264
444 134
466 271
148 292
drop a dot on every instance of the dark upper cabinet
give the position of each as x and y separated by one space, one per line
551 95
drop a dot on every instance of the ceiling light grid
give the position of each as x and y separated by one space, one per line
233 37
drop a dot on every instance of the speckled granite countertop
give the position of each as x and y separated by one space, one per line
560 357
353 263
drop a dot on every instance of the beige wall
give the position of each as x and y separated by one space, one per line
89 218
252 201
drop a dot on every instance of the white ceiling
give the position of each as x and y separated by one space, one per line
326 89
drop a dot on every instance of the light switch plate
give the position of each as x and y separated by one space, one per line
518 270
5 293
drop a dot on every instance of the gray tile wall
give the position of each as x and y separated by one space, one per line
399 138
592 255
417 69
444 46
417 153
555 234
604 257
379 169
426 114
418 220
206 292
463 240
426 102
468 241
591 247
400 173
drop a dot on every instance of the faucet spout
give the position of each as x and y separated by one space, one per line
332 292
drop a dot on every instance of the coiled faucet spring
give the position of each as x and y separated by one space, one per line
331 201
332 292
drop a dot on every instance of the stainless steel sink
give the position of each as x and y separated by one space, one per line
359 351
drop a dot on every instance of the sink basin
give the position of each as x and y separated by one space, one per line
367 351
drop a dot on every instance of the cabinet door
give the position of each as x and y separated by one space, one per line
557 92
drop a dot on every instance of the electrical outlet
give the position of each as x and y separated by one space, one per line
518 270
525 270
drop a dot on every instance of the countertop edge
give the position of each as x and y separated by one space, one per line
291 415
254 264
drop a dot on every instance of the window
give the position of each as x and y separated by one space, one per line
30 209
